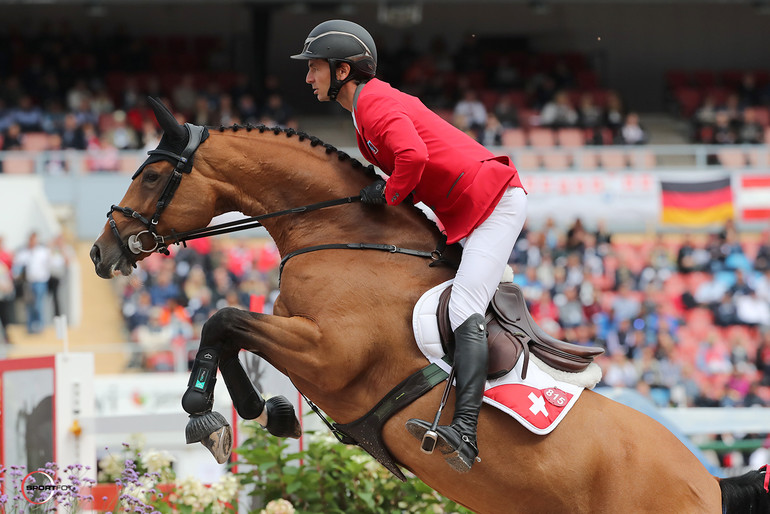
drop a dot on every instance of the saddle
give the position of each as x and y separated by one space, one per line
511 331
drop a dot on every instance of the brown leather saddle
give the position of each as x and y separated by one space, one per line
511 331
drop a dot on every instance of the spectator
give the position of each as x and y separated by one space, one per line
470 113
492 133
724 131
614 113
28 115
72 135
185 96
621 372
32 266
277 110
632 133
762 259
62 255
506 112
590 115
749 93
751 130
121 135
706 114
163 289
559 112
725 312
12 138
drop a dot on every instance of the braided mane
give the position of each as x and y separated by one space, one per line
314 141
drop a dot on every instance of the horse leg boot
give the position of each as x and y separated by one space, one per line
276 414
457 441
208 427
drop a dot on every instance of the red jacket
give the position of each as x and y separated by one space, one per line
459 179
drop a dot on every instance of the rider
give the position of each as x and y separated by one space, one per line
477 197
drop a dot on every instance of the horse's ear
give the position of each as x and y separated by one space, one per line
166 118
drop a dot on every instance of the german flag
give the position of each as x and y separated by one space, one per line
696 203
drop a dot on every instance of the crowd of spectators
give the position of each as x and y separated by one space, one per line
686 322
29 277
71 91
486 91
87 92
727 111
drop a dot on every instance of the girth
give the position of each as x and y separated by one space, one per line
366 431
511 331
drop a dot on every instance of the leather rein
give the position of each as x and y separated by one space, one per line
133 246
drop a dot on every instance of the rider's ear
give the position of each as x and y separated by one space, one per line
343 70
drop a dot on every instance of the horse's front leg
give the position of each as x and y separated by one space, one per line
222 337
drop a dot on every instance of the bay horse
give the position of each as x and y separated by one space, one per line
342 328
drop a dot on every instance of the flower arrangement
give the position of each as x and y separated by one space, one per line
326 477
146 482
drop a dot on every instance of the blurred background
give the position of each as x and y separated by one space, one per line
640 129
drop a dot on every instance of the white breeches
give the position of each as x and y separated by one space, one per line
486 251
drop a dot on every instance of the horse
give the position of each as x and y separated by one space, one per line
341 328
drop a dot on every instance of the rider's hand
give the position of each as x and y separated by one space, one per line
374 193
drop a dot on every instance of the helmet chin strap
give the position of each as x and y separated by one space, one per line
334 83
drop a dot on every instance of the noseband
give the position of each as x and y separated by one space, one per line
183 164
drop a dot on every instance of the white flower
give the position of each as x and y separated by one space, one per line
111 467
226 489
279 506
159 462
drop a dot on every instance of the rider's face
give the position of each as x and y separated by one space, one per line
318 76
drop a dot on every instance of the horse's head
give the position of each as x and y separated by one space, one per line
146 218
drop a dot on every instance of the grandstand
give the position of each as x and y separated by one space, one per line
602 229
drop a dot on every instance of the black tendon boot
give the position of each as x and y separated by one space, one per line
458 441
208 427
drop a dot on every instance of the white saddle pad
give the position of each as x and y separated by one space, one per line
539 403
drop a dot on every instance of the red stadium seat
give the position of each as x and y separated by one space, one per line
570 137
688 99
34 141
731 158
514 138
557 161
541 137
16 165
527 161
613 160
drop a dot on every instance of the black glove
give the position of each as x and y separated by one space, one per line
374 193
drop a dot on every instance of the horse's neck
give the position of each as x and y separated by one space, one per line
266 173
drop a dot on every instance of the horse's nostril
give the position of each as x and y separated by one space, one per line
96 254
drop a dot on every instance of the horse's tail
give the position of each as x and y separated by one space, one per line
747 493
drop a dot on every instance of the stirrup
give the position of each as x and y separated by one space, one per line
459 460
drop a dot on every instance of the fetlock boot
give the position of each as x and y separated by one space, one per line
457 441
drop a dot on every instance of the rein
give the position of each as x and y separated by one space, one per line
133 246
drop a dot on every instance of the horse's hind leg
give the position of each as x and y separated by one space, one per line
210 428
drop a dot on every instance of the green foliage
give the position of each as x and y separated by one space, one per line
330 477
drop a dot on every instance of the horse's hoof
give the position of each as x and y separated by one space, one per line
214 432
281 420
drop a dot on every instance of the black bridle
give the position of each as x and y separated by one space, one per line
133 245
183 164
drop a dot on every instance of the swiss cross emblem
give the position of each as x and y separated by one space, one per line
540 407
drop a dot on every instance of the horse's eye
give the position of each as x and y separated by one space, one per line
150 177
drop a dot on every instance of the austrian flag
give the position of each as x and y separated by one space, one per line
540 407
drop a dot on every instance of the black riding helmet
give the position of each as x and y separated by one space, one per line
342 41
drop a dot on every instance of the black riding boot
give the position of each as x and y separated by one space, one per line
458 441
